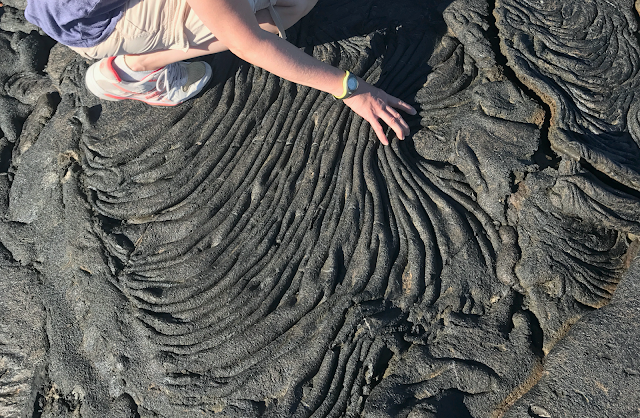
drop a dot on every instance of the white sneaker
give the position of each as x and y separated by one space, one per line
167 86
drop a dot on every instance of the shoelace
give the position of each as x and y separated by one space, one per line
169 75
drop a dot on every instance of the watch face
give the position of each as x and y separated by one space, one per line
352 83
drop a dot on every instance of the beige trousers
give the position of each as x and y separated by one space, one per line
155 25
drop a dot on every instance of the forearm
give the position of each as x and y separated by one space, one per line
236 27
287 61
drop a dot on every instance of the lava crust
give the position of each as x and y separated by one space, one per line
256 252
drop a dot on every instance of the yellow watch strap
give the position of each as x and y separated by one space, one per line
345 89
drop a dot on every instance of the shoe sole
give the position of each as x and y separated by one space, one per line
97 91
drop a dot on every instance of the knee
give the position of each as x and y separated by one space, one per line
303 7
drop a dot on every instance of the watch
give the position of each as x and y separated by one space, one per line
350 85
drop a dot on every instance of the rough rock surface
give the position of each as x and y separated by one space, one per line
255 252
595 370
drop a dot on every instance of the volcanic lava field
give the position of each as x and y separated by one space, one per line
256 252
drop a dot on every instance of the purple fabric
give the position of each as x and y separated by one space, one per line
77 23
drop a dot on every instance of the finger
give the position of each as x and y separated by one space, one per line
394 123
399 119
399 104
377 128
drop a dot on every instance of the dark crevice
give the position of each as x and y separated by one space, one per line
6 149
450 404
109 224
537 336
5 255
38 406
66 405
47 43
379 368
111 228
261 406
156 292
185 374
116 266
544 156
608 181
516 306
163 316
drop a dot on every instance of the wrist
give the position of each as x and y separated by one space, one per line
349 85
336 83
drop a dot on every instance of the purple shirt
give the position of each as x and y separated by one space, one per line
77 23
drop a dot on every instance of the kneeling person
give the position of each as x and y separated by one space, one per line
141 46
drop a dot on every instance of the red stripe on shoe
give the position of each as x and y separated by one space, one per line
113 96
108 63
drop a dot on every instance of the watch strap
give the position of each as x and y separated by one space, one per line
345 87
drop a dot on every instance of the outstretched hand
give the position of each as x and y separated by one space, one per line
374 104
236 27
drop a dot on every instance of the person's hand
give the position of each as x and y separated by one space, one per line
374 104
